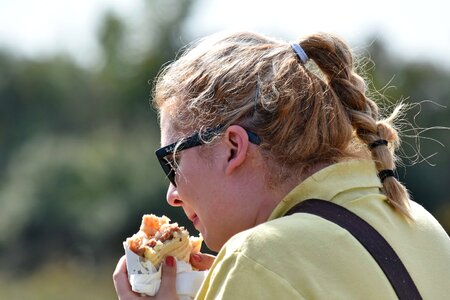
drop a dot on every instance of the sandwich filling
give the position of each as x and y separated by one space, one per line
158 238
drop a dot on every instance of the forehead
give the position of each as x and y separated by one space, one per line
169 134
166 129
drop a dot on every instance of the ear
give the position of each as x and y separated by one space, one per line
237 143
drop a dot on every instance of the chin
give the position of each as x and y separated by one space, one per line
213 245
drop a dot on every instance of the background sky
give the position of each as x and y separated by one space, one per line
417 30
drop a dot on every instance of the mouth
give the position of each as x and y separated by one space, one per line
194 219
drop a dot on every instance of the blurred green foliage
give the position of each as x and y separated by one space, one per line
77 168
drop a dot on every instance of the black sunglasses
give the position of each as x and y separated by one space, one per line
194 140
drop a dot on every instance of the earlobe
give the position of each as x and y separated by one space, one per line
236 140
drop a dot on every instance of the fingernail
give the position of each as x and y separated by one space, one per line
170 261
196 257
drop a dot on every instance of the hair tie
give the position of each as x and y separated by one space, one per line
385 174
378 143
301 54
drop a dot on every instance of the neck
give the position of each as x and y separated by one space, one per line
273 194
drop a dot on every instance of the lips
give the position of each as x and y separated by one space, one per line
194 219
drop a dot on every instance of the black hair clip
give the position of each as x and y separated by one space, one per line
378 143
385 174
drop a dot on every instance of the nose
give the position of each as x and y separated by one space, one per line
172 196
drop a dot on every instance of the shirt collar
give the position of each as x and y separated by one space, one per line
334 183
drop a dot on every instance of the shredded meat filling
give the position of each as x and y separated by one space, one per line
152 232
165 234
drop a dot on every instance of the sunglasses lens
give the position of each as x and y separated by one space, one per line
171 177
169 170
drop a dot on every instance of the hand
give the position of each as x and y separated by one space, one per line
202 261
167 289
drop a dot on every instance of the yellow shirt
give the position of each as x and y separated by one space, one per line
303 256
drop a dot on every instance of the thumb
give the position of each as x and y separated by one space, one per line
201 261
168 289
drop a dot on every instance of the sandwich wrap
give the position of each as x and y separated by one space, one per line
146 250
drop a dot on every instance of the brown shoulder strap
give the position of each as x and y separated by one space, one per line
371 239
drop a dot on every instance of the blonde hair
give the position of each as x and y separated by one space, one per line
304 116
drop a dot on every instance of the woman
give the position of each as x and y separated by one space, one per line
255 126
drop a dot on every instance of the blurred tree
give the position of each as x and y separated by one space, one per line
67 197
77 167
45 96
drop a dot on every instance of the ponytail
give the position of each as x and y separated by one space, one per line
334 59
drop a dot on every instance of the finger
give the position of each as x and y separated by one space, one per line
201 261
121 283
167 289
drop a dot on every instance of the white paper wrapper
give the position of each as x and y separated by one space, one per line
145 278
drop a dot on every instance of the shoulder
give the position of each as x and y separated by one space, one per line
306 253
259 258
286 229
422 216
428 227
296 236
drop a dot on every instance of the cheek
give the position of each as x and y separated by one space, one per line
186 169
197 171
